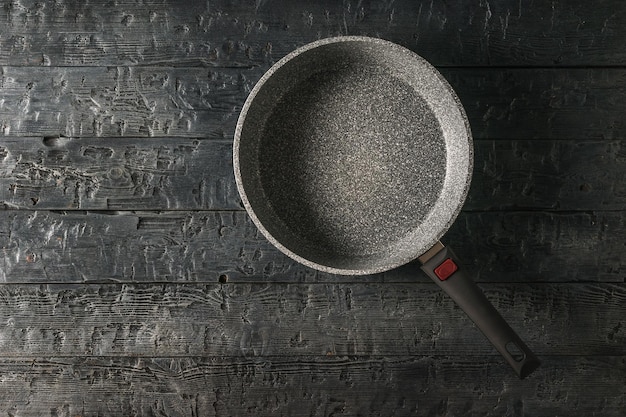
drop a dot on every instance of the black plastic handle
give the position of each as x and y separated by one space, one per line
444 269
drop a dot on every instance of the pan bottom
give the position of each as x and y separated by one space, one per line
351 161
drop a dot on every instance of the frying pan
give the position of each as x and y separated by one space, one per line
353 155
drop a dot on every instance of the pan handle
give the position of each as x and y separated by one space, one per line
442 266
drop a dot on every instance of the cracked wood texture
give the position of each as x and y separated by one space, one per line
203 103
132 283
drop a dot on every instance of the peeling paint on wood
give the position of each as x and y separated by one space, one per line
516 103
134 284
41 246
63 173
238 33
296 320
122 101
394 386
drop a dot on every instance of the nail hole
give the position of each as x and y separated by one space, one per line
223 278
35 200
55 140
515 351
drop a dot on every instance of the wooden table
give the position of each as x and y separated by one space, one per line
133 283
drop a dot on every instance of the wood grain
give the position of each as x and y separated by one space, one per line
319 386
527 103
294 320
515 103
548 174
240 33
167 173
132 283
122 101
122 174
47 247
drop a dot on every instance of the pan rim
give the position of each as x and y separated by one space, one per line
434 236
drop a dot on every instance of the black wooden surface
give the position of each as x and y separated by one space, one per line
133 283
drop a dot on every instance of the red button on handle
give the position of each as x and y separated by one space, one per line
441 267
445 269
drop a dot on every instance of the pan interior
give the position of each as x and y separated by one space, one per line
351 161
348 161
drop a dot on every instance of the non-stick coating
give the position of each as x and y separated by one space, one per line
352 155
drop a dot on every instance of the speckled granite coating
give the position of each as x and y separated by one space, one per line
347 182
352 155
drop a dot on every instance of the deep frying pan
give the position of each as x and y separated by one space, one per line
353 156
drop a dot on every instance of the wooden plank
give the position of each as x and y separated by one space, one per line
47 247
294 320
516 103
547 174
186 174
122 101
156 295
430 386
233 33
546 104
120 174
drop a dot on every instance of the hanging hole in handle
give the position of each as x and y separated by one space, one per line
515 351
